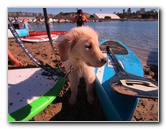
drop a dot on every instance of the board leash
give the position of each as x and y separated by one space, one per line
20 42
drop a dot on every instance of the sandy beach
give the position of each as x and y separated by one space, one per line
59 109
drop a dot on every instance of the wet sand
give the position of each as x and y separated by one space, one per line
59 109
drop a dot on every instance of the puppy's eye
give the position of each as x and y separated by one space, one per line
88 46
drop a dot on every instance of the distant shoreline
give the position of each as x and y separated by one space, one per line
89 20
109 20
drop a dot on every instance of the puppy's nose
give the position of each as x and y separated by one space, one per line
103 60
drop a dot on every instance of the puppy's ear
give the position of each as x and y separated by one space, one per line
64 49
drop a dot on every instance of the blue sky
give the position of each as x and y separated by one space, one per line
87 10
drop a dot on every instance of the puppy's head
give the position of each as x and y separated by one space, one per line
81 43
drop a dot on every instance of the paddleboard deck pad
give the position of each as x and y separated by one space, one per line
117 107
29 92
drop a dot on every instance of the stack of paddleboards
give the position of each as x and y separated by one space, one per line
37 33
39 38
34 36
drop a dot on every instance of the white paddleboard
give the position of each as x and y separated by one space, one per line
29 92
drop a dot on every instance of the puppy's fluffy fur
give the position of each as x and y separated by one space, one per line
80 48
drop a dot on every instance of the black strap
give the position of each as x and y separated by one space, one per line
20 42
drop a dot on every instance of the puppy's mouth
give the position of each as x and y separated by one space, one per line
94 65
89 64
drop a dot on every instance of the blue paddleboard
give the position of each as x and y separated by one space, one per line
117 107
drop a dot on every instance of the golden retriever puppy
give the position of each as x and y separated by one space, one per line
79 48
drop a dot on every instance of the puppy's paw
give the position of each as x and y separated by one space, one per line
90 99
72 100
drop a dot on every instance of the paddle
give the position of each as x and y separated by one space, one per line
50 39
128 84
48 34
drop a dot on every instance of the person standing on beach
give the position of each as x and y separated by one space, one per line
25 24
80 18
13 60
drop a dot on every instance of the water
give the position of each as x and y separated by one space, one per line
140 36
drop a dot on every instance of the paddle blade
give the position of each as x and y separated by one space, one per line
132 85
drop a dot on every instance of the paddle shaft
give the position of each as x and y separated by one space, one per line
47 25
50 39
120 68
48 31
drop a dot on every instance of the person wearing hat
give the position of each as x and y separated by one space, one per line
80 18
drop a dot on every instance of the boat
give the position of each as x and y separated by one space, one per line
37 33
117 107
30 91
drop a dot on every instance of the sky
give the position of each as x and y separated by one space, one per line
87 10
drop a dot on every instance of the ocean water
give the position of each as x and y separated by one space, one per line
141 36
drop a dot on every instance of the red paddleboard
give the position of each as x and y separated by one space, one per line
34 33
39 38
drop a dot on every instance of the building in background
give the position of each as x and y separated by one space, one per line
105 15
